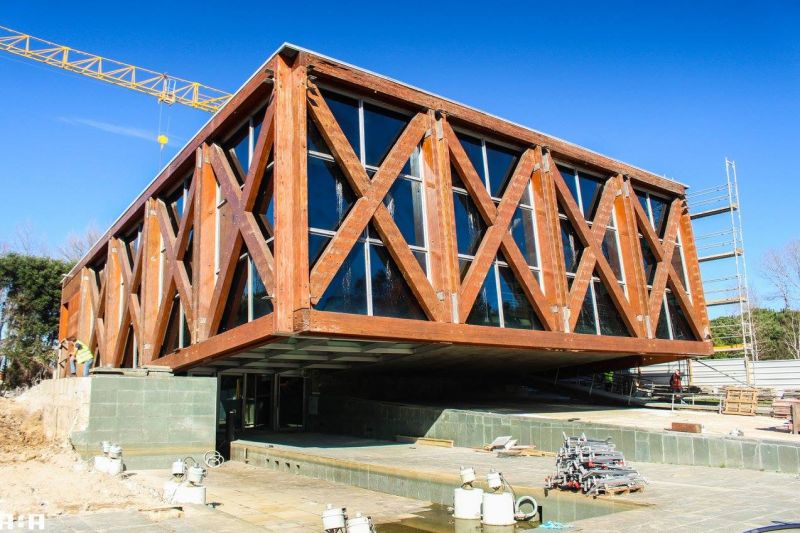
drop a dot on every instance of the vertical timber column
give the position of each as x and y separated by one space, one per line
556 269
632 255
291 192
86 310
113 297
443 262
205 242
545 239
693 270
151 270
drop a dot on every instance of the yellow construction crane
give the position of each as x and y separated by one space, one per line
167 89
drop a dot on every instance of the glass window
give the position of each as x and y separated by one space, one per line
517 310
522 228
663 330
591 189
680 324
391 295
455 178
677 264
262 305
501 163
171 340
569 178
381 130
610 250
485 311
236 308
474 149
470 226
347 292
572 246
330 196
315 142
404 202
239 150
345 111
659 210
648 260
316 245
607 314
587 322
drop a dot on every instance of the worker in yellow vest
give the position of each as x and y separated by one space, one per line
81 356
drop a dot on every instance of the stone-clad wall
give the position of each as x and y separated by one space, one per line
156 420
383 420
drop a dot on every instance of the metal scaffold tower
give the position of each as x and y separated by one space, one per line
720 246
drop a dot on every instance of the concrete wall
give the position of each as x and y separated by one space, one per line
383 420
155 419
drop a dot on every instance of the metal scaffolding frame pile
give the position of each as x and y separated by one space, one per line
593 467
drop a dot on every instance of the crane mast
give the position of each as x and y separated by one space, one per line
168 89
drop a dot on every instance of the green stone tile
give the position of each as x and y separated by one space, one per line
750 456
733 453
716 452
656 447
670 449
700 447
788 459
769 457
685 450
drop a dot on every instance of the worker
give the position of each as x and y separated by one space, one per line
608 380
80 355
675 384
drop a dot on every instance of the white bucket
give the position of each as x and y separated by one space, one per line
333 518
360 524
498 509
467 504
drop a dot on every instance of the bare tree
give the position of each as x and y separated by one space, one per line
77 244
27 240
782 270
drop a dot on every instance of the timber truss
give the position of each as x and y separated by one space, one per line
187 259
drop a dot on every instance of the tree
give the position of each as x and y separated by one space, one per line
30 298
78 244
782 270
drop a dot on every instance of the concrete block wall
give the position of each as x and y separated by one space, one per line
64 404
156 420
383 420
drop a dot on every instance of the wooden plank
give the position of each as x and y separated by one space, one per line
687 427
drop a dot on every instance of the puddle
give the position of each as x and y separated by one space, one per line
439 520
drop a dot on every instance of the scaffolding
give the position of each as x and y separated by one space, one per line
722 247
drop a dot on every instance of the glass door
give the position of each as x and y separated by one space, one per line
291 402
230 401
258 401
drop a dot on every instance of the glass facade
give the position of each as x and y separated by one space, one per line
501 301
598 314
369 281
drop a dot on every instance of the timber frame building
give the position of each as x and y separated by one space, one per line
327 217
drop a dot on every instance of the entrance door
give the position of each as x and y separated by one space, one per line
258 401
231 388
291 402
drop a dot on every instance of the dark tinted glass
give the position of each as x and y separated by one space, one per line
262 305
485 311
315 142
611 252
677 264
586 321
188 257
521 228
474 150
643 200
187 335
469 224
345 111
659 207
347 292
329 195
517 310
391 295
680 324
316 245
648 261
235 313
591 188
422 259
381 130
662 328
463 267
404 202
569 178
264 208
455 178
171 338
610 320
572 247
239 149
501 162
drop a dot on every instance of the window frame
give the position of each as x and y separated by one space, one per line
365 239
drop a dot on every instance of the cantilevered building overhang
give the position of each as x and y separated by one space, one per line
328 217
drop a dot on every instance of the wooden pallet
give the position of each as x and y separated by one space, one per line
740 401
614 491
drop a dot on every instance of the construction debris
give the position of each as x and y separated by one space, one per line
593 467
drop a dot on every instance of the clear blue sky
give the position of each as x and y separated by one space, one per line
673 89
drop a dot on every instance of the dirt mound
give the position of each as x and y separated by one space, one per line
22 436
39 476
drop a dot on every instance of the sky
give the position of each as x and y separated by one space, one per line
672 87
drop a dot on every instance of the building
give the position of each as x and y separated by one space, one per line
329 218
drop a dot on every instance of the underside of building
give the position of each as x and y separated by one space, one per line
328 219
